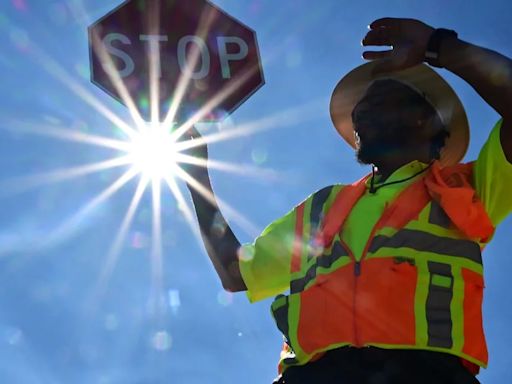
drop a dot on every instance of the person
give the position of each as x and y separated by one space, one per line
381 281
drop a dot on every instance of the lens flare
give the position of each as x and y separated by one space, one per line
153 153
158 153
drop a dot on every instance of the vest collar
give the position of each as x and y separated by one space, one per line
450 187
405 171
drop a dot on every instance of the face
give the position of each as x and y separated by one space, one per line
389 123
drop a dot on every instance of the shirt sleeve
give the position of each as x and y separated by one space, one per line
265 264
493 177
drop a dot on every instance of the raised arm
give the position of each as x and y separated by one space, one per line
487 71
221 244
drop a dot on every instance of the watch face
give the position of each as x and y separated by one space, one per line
431 55
434 42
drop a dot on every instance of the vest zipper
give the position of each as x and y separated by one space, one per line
357 272
357 268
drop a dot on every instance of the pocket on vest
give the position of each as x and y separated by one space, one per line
385 298
474 339
326 311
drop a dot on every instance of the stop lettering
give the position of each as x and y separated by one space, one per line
172 39
154 42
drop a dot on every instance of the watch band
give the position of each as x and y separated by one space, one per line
434 43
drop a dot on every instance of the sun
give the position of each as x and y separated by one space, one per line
153 153
160 154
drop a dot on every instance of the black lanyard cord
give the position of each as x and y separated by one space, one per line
374 188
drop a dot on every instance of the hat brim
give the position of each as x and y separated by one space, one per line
351 88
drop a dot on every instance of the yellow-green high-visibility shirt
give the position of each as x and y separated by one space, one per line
369 208
265 264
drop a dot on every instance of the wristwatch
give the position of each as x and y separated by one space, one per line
434 43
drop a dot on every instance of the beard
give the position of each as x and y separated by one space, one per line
383 145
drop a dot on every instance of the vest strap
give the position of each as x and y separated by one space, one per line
452 189
340 209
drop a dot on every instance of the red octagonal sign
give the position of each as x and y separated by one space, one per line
186 53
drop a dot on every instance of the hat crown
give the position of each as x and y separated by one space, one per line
425 82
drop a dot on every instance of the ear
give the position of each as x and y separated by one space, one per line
357 139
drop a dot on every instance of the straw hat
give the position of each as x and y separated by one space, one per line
351 88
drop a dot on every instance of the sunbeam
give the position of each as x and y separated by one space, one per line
117 81
186 76
153 56
182 204
157 152
62 133
281 119
54 69
184 207
24 183
117 244
77 10
187 212
156 248
214 102
245 224
69 225
240 169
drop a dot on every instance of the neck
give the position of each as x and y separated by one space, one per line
387 167
384 170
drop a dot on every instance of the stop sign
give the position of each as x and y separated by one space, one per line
184 51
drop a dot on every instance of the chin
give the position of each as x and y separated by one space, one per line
361 159
374 154
366 155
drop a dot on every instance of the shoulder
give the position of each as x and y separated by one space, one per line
457 175
318 203
326 191
324 195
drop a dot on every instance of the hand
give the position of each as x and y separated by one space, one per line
408 37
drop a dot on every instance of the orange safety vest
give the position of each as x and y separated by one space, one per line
418 285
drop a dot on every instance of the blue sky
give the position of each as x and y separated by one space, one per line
52 327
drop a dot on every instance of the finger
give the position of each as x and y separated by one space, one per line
377 55
387 22
380 36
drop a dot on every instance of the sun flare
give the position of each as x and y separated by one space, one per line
152 152
158 155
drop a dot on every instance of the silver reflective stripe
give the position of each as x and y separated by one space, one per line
280 312
298 285
438 216
317 205
427 242
324 261
439 317
315 215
